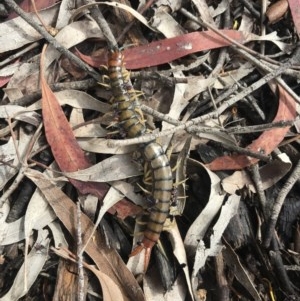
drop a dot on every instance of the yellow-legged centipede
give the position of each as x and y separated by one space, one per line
125 98
132 121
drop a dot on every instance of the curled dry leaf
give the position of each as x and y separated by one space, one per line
179 252
202 253
76 99
270 174
276 11
200 225
266 142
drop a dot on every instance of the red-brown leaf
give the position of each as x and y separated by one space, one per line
266 142
167 50
295 10
27 6
66 151
4 80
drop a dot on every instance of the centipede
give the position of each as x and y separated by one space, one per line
132 120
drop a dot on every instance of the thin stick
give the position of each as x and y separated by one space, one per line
278 204
100 20
254 169
80 282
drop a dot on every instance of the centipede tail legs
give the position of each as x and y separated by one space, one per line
132 121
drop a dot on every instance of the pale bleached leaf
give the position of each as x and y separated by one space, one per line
202 253
20 113
117 167
76 99
200 225
64 14
128 190
9 69
57 234
90 131
11 232
76 118
26 79
166 24
154 290
7 172
71 35
124 7
101 146
271 37
196 85
17 32
179 252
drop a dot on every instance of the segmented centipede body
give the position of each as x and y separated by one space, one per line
125 98
131 119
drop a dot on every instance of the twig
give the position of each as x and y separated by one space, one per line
76 85
141 11
100 20
254 169
263 10
278 204
11 4
80 283
18 54
259 127
252 10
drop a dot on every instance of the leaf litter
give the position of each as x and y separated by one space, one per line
224 118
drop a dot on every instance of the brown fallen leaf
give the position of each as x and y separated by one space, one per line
266 142
27 6
276 11
66 151
106 259
109 288
295 11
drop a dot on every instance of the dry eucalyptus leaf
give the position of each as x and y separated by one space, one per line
17 32
76 99
101 146
117 167
200 225
179 252
270 174
202 253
